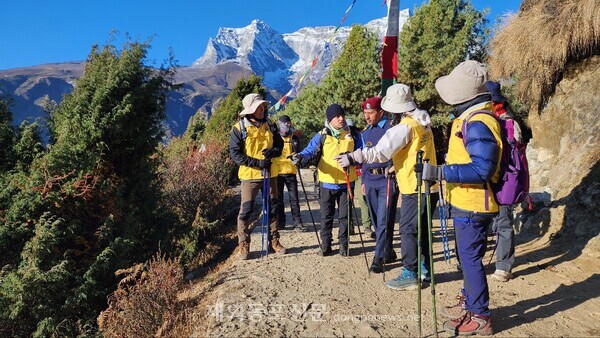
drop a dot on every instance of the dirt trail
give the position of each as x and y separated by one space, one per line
304 294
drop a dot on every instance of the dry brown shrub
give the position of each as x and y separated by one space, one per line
537 45
196 184
145 303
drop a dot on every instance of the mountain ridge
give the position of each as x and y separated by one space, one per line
231 55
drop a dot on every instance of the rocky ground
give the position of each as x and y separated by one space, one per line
304 294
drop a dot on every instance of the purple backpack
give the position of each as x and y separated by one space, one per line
513 185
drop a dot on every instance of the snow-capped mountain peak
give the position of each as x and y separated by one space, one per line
281 58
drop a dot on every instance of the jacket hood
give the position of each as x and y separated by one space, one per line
420 116
458 110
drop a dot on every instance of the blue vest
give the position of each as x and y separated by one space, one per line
370 137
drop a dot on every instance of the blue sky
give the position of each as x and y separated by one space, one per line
41 31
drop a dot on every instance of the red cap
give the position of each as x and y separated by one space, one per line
372 103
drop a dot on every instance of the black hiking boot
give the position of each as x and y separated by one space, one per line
325 249
392 257
344 249
377 266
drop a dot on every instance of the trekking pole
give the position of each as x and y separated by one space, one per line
493 251
360 236
419 195
349 197
268 213
444 225
351 206
387 209
389 226
308 205
430 238
263 247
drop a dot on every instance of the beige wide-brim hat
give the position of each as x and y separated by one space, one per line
464 83
250 103
398 99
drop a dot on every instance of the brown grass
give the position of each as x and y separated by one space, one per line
145 303
537 45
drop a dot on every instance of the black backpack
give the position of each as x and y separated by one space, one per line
324 132
244 131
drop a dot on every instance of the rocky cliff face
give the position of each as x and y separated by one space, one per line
564 160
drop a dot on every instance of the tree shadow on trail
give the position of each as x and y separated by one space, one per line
562 299
580 223
302 249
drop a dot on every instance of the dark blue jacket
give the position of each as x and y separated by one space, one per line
370 137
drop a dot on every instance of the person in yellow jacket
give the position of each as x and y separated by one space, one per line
473 161
411 132
334 139
287 173
254 142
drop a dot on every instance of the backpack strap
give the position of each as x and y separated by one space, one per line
510 129
463 128
464 138
271 125
324 132
354 133
243 129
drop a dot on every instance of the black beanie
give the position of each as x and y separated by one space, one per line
284 118
333 111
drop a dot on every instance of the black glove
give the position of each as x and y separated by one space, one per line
268 153
256 163
264 164
419 167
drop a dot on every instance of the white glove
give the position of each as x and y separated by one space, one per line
433 172
296 158
346 160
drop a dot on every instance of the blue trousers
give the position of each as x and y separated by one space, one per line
471 236
376 200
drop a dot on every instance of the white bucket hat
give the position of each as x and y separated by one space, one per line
398 99
464 83
250 103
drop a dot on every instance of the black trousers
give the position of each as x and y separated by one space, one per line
408 230
327 202
291 182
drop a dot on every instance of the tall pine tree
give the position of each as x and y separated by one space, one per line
89 206
28 146
440 35
7 136
220 123
354 76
